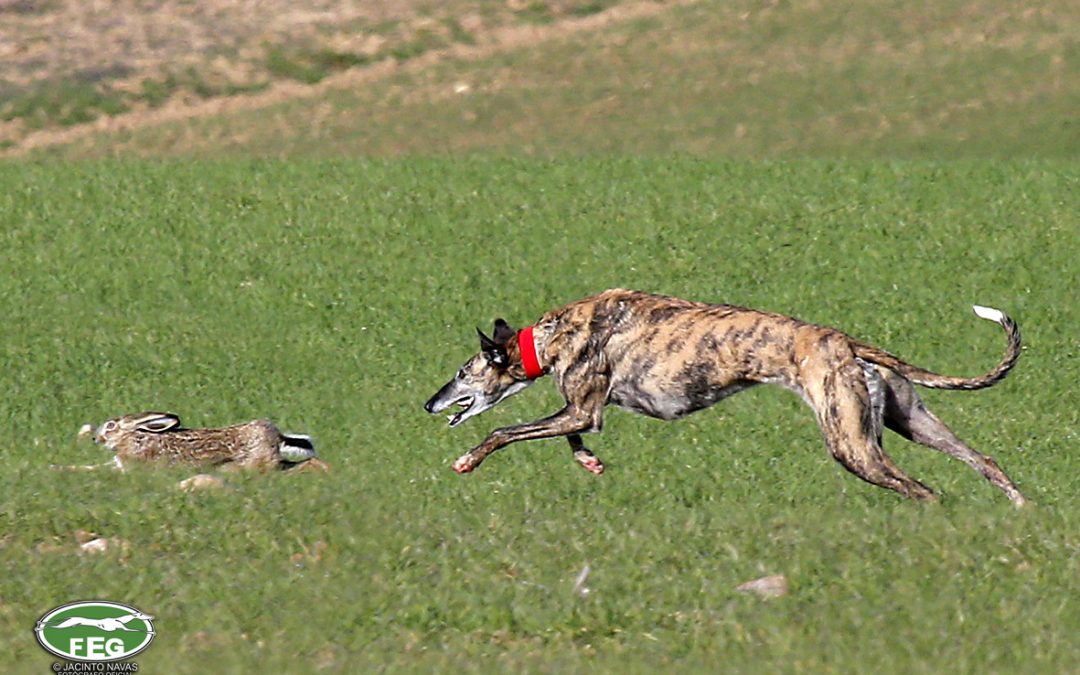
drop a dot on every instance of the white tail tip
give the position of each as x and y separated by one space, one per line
988 313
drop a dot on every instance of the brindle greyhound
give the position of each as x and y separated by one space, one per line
666 358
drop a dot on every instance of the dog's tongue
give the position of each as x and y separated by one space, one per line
455 419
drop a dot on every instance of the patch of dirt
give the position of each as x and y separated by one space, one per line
45 40
147 62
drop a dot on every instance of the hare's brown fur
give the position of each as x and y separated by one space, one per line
158 437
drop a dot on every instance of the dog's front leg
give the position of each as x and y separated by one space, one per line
570 420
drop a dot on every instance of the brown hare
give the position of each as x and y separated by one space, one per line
158 437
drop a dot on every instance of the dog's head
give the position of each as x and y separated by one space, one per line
490 376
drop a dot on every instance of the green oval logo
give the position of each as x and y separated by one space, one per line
94 631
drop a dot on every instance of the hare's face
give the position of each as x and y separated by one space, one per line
112 432
109 433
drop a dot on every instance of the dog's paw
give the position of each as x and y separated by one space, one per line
465 464
589 462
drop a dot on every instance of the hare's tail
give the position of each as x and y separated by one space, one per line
296 448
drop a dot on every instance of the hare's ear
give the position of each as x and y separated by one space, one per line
155 423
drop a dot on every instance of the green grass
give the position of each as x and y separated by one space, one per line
335 296
68 102
309 66
63 103
425 41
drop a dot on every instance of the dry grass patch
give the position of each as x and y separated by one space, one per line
67 62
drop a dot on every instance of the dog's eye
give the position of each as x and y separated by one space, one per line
461 374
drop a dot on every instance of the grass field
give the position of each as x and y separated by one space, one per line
66 62
320 256
988 78
335 296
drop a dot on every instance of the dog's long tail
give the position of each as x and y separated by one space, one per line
932 380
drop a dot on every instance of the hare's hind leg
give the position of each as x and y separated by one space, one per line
906 415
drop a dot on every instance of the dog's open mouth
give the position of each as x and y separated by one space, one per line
466 405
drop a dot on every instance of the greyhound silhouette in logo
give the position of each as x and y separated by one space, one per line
109 625
95 631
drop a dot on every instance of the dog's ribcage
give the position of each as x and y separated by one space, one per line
668 358
668 405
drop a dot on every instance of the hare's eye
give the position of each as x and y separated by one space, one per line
109 426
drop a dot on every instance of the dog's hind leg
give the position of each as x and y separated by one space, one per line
835 385
875 390
906 415
585 456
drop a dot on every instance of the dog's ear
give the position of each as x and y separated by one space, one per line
504 332
486 343
493 350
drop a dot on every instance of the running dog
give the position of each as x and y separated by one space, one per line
666 358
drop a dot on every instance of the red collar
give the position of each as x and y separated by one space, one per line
528 353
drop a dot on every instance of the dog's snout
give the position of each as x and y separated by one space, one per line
442 398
